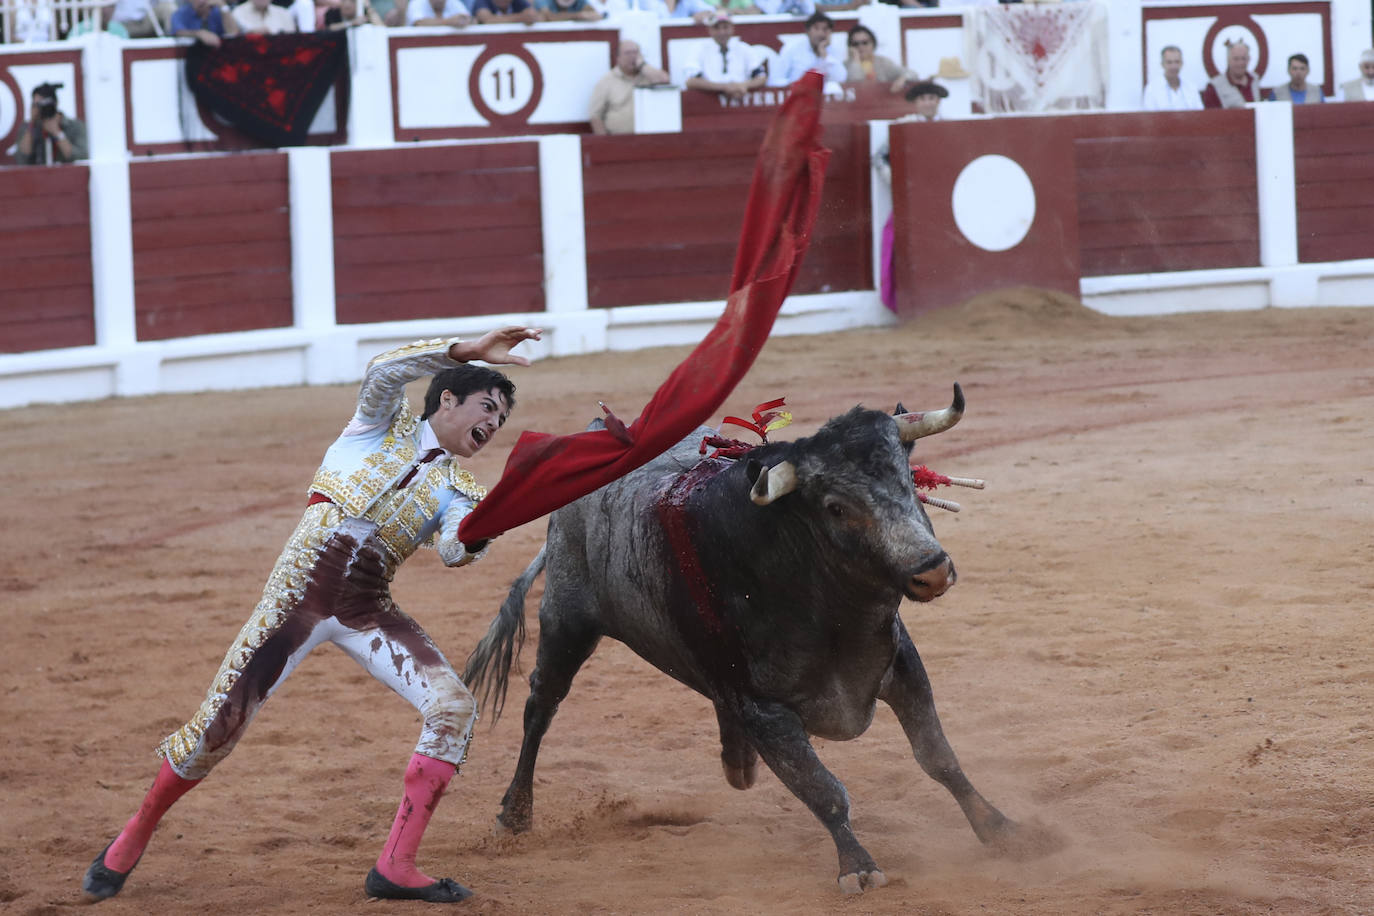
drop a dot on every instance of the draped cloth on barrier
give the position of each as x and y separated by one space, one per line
1033 57
545 472
268 86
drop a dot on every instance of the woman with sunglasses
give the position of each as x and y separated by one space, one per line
866 65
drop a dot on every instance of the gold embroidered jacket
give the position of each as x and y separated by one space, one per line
380 446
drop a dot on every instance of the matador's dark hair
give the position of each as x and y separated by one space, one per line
464 380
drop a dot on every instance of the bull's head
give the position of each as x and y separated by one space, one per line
781 479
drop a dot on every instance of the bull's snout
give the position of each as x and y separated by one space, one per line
932 580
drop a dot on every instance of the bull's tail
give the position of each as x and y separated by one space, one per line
487 672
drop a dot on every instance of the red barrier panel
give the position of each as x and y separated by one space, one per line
212 245
662 215
46 299
1335 180
436 232
1110 194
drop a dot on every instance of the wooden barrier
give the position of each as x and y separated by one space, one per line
1110 194
437 231
212 245
663 216
1335 180
45 259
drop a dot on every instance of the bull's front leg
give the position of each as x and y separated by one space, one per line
781 740
906 688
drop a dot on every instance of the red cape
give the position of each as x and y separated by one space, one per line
545 472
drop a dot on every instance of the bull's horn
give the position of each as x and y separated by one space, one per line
780 480
913 426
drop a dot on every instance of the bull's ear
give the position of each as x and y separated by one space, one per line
906 446
752 470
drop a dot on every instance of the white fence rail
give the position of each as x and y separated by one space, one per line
47 20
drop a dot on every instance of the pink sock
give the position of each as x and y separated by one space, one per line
425 781
133 839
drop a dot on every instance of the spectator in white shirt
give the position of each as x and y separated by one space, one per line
815 53
1170 93
1362 89
725 64
437 12
262 17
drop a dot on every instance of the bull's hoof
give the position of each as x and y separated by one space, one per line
510 824
1025 841
741 777
856 882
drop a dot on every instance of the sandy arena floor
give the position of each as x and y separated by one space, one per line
1158 650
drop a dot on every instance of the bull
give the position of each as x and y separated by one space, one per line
770 583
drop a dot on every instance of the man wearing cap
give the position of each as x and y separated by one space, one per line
725 64
612 108
1362 89
815 53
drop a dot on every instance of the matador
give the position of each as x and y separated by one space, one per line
390 483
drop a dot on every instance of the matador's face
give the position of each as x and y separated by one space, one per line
464 427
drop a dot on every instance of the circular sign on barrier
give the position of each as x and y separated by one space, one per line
993 203
505 84
13 112
1230 27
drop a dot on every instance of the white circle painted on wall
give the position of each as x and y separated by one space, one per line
506 83
993 203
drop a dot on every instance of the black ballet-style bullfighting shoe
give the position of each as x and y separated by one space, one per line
102 882
445 890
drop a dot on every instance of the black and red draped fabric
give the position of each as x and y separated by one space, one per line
268 86
545 471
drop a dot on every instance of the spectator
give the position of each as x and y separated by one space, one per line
33 21
143 18
813 54
451 13
50 136
1296 90
698 11
866 65
1361 90
493 11
107 24
612 108
1237 85
207 21
1170 93
260 17
786 7
393 12
568 10
926 96
738 7
346 15
725 64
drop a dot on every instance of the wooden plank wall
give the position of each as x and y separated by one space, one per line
212 245
46 299
433 232
1162 192
1335 180
663 214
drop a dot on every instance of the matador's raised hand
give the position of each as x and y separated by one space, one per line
495 346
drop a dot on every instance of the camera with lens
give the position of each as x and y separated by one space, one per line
46 96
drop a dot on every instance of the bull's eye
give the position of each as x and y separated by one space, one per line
835 509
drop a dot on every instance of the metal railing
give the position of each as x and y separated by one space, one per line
47 20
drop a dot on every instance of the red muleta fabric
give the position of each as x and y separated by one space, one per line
545 471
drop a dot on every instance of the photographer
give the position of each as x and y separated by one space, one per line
50 136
